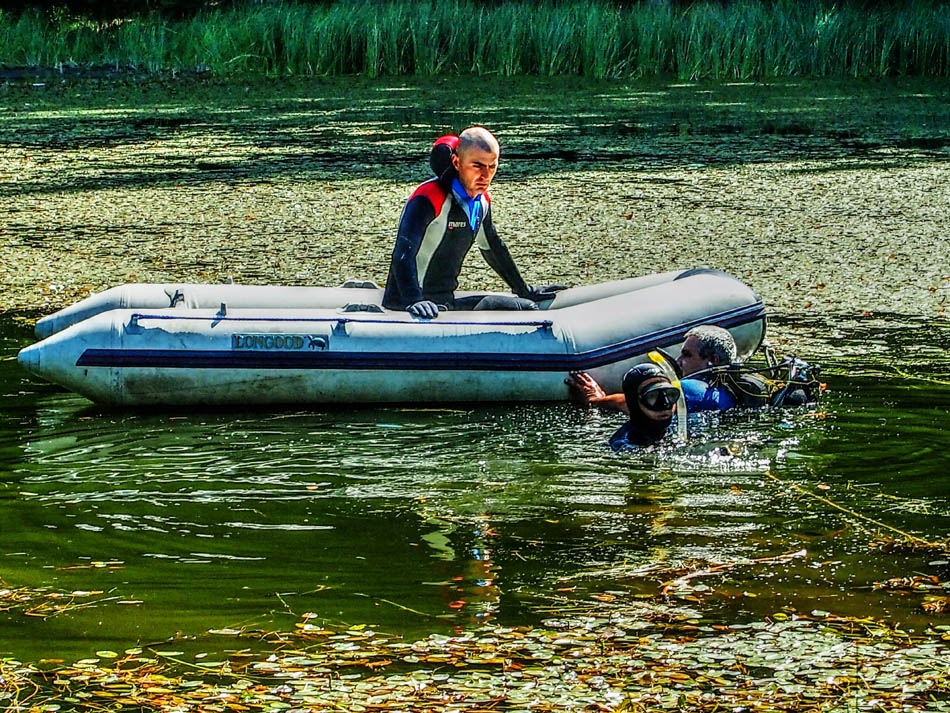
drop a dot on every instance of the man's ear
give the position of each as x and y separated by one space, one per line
455 160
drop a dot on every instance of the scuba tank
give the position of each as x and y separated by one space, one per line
801 384
785 383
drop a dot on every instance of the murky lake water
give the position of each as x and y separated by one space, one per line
422 520
158 528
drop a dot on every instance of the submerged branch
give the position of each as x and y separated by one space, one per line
852 513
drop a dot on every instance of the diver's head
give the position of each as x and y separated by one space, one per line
706 346
648 391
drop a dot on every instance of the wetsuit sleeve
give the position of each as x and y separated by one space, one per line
500 260
402 287
694 391
700 396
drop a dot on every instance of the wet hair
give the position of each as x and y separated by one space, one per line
714 342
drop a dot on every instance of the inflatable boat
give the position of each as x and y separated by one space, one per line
146 344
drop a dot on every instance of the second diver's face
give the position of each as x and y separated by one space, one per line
654 415
476 169
689 360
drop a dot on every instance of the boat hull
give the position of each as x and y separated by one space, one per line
354 352
157 296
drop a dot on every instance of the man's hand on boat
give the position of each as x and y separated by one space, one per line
424 309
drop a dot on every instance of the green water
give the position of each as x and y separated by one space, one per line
422 520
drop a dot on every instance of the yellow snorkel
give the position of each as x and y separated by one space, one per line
663 362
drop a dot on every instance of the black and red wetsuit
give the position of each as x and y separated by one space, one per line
433 239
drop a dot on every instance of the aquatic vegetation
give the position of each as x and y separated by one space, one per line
747 39
611 650
131 176
619 656
45 602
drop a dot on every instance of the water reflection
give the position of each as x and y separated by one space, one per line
421 519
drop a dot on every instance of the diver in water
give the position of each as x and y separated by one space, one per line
713 381
650 399
705 348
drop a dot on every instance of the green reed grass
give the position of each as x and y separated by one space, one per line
742 39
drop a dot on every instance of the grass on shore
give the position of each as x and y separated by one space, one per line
745 39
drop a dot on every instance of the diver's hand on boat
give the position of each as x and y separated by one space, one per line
424 309
585 391
584 388
539 294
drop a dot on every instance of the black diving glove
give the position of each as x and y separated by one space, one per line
423 309
539 294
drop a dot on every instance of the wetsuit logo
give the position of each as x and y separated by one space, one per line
453 224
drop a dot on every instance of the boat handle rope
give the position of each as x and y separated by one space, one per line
220 317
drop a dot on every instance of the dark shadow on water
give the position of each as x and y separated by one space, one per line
304 131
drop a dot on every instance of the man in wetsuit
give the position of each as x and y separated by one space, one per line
443 218
705 347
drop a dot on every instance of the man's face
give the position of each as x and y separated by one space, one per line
689 360
650 413
476 169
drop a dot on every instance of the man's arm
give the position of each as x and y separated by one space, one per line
500 260
402 287
585 391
